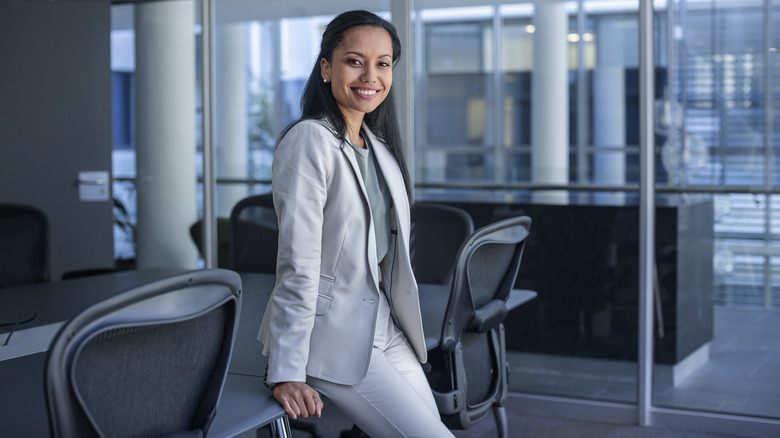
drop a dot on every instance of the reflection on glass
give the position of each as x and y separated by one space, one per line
123 120
720 138
455 141
517 62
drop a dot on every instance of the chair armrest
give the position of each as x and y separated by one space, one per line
449 403
489 316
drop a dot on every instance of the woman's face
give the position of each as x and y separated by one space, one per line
360 71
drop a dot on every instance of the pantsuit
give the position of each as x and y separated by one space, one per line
338 318
394 399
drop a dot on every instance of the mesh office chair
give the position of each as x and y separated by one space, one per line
438 231
148 362
468 371
223 240
254 235
24 245
254 242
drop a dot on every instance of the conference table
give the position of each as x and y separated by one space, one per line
31 315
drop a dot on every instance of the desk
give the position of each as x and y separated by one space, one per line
245 404
433 304
248 360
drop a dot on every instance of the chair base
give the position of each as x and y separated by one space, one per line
502 426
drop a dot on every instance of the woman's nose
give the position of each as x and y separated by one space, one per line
369 74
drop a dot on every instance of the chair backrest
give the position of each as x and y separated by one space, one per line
223 240
438 231
467 373
24 245
254 235
148 362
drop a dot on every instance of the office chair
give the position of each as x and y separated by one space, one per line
254 235
24 245
438 231
223 240
148 362
254 242
468 370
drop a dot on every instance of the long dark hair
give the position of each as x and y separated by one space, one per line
317 101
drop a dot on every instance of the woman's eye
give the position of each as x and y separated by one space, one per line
355 62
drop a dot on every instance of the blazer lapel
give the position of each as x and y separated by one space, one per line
404 290
346 149
393 178
395 185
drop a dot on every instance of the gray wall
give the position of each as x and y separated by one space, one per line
55 121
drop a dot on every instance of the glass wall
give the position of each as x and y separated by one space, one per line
156 132
720 128
715 273
261 69
123 117
534 108
264 58
481 125
457 141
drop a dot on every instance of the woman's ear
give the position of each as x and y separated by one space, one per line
325 70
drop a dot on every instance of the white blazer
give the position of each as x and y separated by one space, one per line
321 316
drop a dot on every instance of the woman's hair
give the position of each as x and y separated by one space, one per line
317 101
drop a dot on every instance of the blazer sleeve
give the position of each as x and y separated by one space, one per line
299 191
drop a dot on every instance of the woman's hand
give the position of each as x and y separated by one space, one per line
298 399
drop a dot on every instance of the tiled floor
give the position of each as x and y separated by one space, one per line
743 373
740 376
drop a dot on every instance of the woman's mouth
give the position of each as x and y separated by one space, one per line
366 92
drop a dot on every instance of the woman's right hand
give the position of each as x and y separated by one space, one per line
298 399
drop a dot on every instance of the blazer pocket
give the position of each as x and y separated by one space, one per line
325 294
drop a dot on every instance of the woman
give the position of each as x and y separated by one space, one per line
344 318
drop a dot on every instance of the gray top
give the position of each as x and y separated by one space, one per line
378 197
379 200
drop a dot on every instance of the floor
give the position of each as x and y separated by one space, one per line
743 373
740 373
524 425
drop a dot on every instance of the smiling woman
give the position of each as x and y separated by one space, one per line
360 74
344 318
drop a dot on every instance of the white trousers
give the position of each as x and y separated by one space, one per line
395 399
